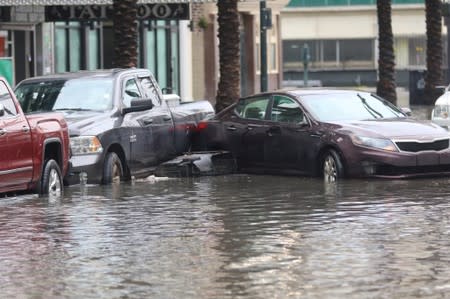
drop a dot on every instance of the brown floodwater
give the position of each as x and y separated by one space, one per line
236 236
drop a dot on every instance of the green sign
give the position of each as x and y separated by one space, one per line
6 70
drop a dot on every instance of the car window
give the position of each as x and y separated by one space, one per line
286 110
131 91
7 101
253 108
349 106
150 91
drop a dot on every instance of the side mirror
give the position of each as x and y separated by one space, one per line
138 105
406 110
2 110
304 122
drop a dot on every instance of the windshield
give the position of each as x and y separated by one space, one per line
74 94
349 106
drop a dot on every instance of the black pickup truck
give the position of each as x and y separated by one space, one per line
120 124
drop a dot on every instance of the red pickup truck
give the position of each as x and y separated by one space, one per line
34 148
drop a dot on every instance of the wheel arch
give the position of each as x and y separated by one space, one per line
52 149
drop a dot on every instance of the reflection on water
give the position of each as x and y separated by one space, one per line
230 237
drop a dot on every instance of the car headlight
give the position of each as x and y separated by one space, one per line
441 111
82 145
380 143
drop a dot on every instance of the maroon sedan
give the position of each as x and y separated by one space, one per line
329 133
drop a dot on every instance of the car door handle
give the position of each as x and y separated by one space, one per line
231 128
2 132
253 126
167 118
147 121
316 134
273 131
25 129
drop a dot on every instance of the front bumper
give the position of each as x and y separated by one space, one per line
91 164
383 164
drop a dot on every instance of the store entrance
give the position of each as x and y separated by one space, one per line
24 54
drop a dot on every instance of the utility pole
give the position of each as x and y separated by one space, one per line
446 15
265 22
305 59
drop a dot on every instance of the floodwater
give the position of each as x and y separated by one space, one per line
236 236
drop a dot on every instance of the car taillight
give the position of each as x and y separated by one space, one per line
202 126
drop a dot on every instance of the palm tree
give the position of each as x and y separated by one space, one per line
433 77
386 60
125 33
229 83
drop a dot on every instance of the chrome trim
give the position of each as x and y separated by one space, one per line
421 141
17 170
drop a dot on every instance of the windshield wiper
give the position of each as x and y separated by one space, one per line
73 109
369 109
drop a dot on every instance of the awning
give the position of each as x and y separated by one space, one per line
17 26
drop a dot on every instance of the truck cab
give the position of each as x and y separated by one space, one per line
34 151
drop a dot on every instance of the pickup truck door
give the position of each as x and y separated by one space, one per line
4 161
138 125
162 120
17 148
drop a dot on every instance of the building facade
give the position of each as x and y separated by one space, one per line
342 38
40 37
206 53
177 41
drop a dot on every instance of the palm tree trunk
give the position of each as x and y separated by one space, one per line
386 60
228 18
433 77
125 33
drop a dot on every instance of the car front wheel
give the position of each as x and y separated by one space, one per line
112 169
51 181
332 166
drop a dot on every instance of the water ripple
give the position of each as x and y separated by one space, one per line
235 236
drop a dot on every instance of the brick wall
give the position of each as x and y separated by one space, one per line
28 14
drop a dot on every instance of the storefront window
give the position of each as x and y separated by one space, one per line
93 47
85 45
60 49
174 55
329 53
74 46
160 43
353 50
151 46
161 51
77 46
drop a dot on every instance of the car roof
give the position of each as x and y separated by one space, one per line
103 73
299 92
322 91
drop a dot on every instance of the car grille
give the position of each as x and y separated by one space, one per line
414 146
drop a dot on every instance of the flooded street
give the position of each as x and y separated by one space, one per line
236 236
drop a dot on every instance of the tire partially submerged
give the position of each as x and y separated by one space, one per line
112 169
51 182
332 166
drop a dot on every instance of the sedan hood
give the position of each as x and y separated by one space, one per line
396 129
